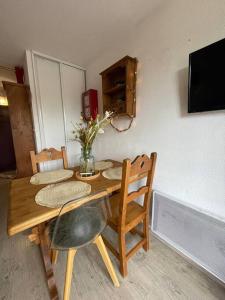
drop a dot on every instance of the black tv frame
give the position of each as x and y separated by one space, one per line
220 107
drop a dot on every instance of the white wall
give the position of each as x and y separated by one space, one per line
191 147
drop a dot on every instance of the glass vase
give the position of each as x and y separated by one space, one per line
87 162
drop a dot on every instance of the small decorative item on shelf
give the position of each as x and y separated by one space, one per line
85 133
119 82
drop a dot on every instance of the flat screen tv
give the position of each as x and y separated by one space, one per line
207 78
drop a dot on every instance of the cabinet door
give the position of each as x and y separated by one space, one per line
73 85
50 108
21 125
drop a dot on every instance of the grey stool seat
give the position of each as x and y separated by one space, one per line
77 228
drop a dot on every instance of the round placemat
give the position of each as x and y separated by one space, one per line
51 176
56 195
103 165
113 173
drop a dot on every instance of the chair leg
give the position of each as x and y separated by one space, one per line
122 252
69 271
54 256
146 233
102 249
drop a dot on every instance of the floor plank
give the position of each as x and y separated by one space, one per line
159 274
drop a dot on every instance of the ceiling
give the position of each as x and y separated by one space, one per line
77 31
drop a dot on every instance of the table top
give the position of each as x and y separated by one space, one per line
24 213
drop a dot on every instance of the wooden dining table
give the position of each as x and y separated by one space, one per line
24 213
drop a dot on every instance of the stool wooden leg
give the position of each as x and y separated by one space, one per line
102 249
69 271
54 256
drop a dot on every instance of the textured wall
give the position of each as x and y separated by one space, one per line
191 147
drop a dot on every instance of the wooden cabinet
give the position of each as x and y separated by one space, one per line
119 87
21 125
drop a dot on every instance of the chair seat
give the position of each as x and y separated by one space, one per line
77 228
135 212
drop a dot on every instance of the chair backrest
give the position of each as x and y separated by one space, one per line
141 167
48 155
80 226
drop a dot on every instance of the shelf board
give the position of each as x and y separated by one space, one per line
115 89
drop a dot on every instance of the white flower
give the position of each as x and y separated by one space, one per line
107 114
100 131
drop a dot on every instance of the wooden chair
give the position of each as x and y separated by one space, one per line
48 155
44 156
126 213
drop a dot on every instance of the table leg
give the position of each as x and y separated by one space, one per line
44 246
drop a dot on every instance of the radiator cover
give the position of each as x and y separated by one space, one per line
198 236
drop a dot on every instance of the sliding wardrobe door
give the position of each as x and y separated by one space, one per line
50 107
73 85
56 88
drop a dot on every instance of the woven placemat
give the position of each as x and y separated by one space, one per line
103 165
51 176
56 195
113 173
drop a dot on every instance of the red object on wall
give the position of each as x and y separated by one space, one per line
19 74
90 104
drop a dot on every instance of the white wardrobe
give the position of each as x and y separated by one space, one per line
56 90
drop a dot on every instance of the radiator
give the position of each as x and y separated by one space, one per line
198 236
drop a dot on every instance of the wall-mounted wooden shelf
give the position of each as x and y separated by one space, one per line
119 87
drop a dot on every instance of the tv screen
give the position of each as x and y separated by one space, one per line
207 78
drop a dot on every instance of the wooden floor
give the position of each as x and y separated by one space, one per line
159 274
